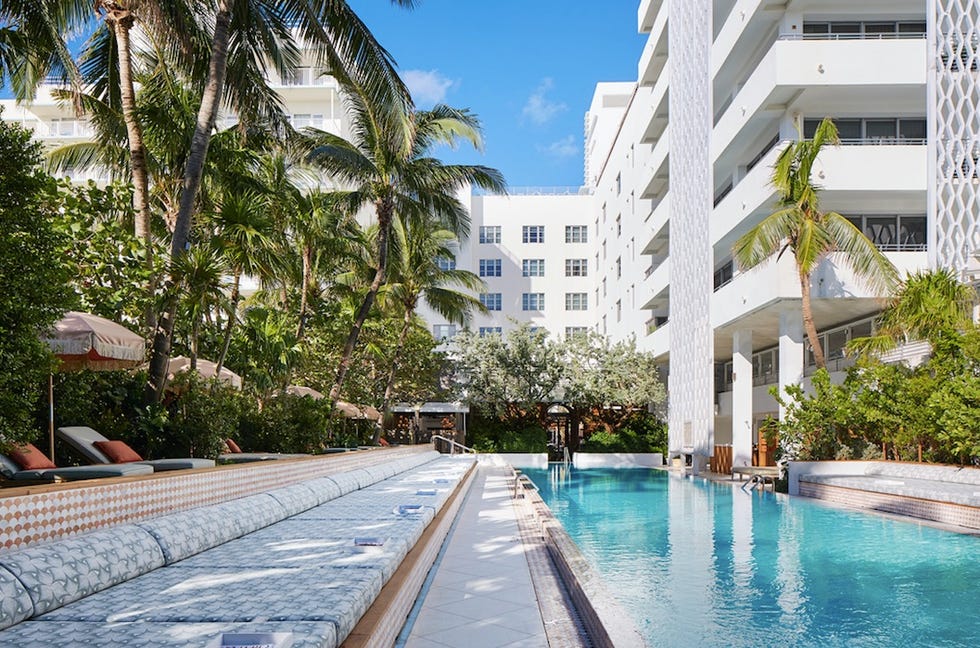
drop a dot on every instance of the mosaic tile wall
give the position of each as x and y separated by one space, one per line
59 512
965 516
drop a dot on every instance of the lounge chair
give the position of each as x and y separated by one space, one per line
90 444
235 455
13 471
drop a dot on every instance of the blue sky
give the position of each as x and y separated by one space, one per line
527 68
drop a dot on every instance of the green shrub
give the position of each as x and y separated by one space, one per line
201 415
287 423
642 432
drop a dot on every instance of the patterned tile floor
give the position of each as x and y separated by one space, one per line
482 594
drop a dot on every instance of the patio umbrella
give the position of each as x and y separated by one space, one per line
297 390
205 369
85 341
348 410
371 413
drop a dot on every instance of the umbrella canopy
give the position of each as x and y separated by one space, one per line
205 369
85 341
297 390
371 413
348 410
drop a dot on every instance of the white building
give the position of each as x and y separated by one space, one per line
677 167
721 88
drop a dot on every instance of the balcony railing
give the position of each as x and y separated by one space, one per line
850 37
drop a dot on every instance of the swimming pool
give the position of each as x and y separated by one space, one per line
703 564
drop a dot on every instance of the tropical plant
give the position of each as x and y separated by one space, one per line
421 273
35 283
388 164
201 285
799 226
250 38
929 305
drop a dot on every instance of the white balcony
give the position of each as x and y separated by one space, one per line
647 14
657 342
659 227
825 76
654 171
657 283
857 178
654 56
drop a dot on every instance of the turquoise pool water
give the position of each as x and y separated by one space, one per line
702 564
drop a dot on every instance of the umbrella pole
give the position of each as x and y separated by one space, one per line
51 413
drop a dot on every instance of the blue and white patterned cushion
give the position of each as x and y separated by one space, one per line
324 488
347 482
61 572
65 634
407 529
232 595
296 498
313 551
189 532
15 602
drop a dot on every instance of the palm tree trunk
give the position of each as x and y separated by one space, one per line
122 22
195 342
236 296
384 226
808 325
210 102
396 356
304 301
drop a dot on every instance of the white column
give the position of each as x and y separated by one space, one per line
691 406
742 398
790 349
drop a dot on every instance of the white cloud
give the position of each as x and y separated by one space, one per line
565 147
427 87
539 109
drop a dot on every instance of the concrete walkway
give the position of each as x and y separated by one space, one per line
482 594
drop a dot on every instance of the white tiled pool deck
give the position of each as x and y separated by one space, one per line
482 594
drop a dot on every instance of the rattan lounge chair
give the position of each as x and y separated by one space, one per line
83 440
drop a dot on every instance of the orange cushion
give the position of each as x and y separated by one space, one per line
232 446
30 458
383 442
117 451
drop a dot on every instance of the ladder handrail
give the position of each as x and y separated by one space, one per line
453 444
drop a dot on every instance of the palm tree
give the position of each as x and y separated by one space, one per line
336 37
929 305
798 225
245 234
201 290
421 272
388 165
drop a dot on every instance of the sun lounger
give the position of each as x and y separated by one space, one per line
83 439
10 470
235 455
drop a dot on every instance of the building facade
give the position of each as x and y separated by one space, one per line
677 167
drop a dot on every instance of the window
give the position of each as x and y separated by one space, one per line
532 301
724 274
489 267
877 130
532 234
576 233
532 267
619 183
446 263
891 233
619 310
619 267
304 120
489 234
576 267
490 330
444 331
576 301
492 301
576 331
619 225
603 286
